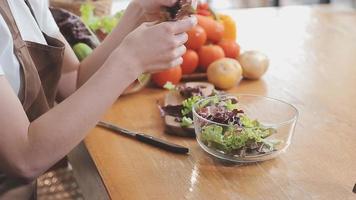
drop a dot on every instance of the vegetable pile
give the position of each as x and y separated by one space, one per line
233 132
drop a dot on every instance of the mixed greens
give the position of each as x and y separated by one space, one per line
183 112
233 132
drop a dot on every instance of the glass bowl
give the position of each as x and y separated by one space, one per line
249 140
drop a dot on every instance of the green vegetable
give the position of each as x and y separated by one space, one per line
232 139
82 50
143 78
186 122
230 106
169 86
106 24
188 105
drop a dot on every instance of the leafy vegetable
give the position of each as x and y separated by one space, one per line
143 78
241 135
188 105
106 24
231 106
169 86
186 122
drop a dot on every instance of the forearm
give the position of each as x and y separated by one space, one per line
131 19
58 131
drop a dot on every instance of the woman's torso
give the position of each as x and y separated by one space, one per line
40 64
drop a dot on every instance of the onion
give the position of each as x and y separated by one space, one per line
254 64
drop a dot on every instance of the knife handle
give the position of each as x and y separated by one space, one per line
161 144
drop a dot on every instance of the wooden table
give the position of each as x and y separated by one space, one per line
313 66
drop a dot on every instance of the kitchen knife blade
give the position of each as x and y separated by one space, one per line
168 146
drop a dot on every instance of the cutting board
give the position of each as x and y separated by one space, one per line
174 98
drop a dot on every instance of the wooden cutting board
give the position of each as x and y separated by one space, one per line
174 98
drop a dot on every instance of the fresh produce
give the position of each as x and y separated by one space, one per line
100 25
190 62
214 29
224 73
191 93
231 48
230 131
254 64
208 54
73 29
230 32
173 75
196 38
204 10
179 10
82 50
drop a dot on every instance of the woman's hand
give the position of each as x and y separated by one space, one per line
152 8
153 47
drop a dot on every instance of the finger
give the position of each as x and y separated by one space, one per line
165 65
181 39
179 52
173 54
184 25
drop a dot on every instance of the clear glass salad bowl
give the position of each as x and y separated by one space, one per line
244 128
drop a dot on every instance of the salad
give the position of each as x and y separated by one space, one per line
226 128
183 112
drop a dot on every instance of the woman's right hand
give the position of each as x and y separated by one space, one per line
155 46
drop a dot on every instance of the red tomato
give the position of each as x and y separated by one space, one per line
231 48
214 30
208 54
190 62
196 38
204 12
203 6
173 75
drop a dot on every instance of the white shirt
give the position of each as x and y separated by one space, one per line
29 30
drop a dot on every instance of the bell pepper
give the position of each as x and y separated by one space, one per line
230 32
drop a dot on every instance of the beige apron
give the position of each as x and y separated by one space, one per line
40 73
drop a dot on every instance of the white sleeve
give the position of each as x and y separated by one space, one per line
1 71
44 17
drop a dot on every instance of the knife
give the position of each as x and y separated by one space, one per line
175 148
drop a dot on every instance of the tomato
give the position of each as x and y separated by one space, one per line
173 75
203 6
204 12
190 62
214 29
230 47
196 38
208 54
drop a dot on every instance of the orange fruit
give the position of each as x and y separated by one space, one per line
208 54
230 47
173 75
213 29
190 62
196 38
225 73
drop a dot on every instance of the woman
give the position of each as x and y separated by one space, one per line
38 66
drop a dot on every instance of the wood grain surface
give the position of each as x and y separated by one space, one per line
313 66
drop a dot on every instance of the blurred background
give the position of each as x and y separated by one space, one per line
224 4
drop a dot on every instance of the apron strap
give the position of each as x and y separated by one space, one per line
11 23
30 73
